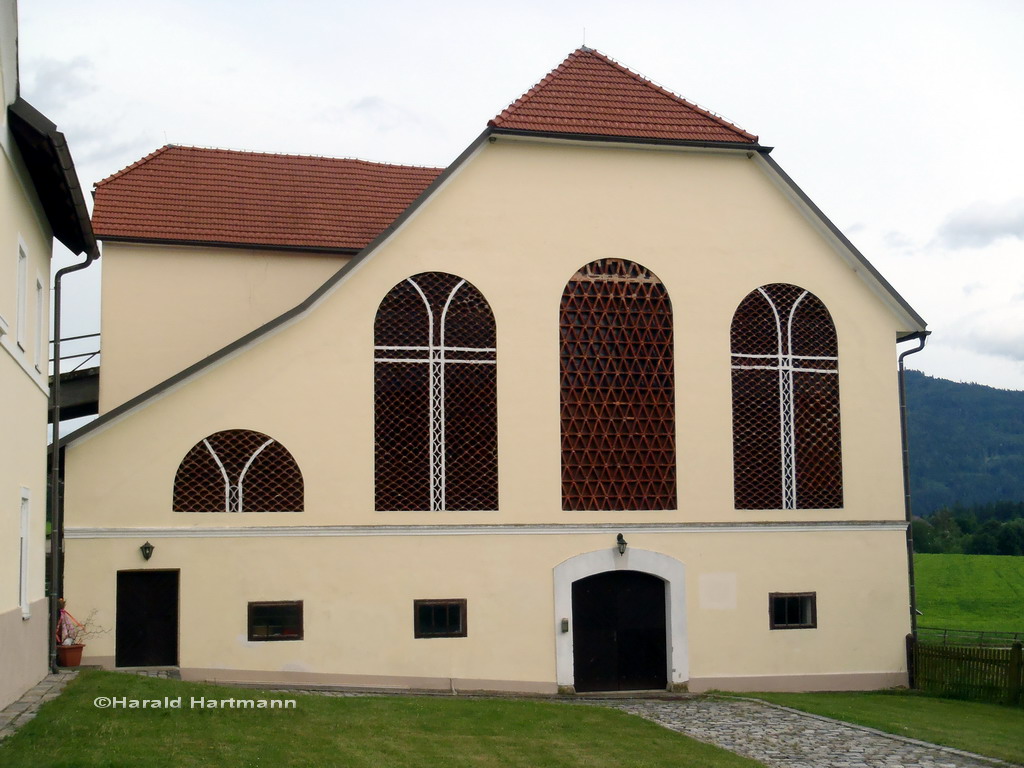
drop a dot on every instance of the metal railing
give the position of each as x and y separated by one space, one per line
85 356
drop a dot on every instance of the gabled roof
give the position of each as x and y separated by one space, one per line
224 197
590 94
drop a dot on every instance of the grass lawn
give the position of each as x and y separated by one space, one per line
327 731
988 729
983 592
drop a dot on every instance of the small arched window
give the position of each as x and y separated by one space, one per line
435 397
787 451
238 470
617 390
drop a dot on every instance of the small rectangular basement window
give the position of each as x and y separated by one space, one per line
280 620
793 610
439 618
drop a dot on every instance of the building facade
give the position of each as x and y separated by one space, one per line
606 404
41 199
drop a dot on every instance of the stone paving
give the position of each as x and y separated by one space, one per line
19 712
778 736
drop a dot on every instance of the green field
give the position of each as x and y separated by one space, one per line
324 731
981 592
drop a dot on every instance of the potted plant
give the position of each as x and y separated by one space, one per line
70 636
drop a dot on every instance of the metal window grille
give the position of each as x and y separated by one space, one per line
435 397
439 618
238 470
785 402
792 610
617 390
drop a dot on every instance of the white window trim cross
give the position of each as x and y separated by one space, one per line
437 358
234 495
785 364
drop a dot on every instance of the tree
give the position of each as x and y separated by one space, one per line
924 538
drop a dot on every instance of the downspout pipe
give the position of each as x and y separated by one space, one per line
56 496
921 337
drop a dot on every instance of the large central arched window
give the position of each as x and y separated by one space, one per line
435 397
785 402
618 390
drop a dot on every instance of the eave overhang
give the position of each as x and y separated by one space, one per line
244 246
605 139
48 161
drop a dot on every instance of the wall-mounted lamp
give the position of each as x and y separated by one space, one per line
622 544
146 550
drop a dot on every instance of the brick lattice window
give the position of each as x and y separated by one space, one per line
435 397
618 390
238 470
785 402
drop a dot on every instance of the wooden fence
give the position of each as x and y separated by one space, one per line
966 672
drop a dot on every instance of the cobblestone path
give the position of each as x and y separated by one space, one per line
19 712
783 737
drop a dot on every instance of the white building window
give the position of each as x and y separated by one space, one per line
40 325
19 319
23 568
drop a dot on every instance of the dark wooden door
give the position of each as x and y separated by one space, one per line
147 619
619 632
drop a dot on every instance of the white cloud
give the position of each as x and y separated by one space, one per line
981 224
55 83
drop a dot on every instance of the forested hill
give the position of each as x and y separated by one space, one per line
966 443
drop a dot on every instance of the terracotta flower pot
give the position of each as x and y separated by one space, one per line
69 655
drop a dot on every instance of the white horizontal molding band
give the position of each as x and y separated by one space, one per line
477 530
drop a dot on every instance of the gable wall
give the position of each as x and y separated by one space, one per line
517 221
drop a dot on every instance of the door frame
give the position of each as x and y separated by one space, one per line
668 569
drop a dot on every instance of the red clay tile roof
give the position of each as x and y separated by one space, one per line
590 94
249 198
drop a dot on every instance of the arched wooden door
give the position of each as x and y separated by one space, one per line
619 637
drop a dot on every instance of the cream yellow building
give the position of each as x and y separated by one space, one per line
40 199
606 404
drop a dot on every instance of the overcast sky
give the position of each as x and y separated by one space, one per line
901 120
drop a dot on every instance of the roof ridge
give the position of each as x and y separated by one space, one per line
309 156
666 92
133 166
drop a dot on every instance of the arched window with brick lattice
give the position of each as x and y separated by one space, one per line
617 390
787 451
435 397
238 470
